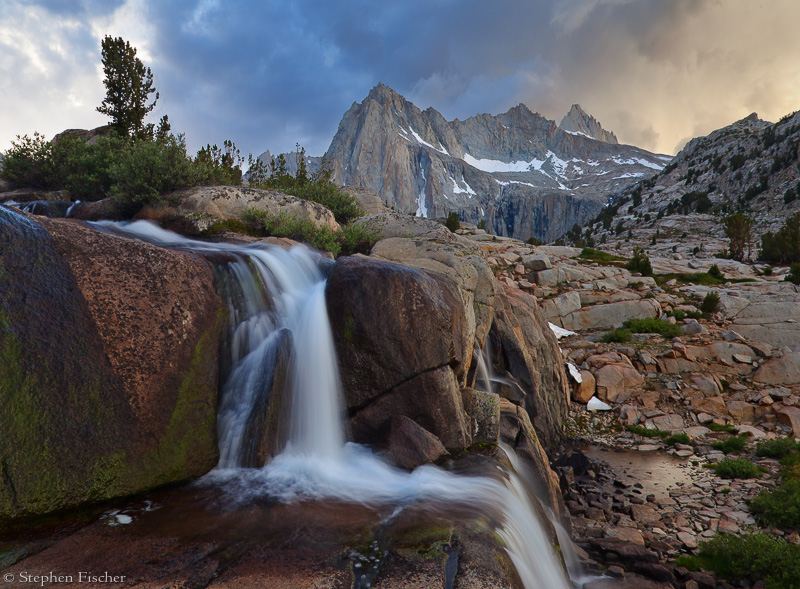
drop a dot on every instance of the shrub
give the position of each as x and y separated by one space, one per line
732 445
148 169
482 224
646 432
680 438
755 557
616 336
302 230
533 241
727 427
710 303
784 246
27 162
791 467
357 239
737 468
777 448
779 507
452 223
794 274
136 170
640 263
652 325
351 239
588 253
715 272
343 206
679 314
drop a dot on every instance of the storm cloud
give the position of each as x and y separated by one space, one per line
269 74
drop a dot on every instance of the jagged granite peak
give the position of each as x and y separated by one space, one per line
518 170
578 121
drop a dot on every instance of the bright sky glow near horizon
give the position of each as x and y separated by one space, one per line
268 74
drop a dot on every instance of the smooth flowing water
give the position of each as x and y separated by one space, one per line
275 296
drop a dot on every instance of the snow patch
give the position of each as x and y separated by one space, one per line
596 404
558 331
422 210
458 190
493 166
574 372
579 133
637 160
419 139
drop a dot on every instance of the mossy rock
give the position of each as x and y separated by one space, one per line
71 434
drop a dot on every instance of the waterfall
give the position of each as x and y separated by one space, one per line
274 296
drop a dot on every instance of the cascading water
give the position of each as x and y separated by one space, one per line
274 296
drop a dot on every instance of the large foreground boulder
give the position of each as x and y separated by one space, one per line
460 261
108 371
196 209
400 336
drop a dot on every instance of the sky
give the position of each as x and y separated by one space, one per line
269 74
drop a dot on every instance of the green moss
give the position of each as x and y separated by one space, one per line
425 542
349 324
25 455
190 436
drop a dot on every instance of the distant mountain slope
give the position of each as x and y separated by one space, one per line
518 171
751 166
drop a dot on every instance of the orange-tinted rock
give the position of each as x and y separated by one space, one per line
584 390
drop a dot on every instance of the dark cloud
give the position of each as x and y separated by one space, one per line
268 74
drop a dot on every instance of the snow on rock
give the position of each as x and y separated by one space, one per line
596 404
574 372
560 331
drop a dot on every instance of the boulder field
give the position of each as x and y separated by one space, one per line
637 501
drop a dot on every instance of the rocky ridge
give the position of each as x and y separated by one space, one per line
751 166
518 171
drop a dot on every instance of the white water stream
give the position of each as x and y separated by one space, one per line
271 292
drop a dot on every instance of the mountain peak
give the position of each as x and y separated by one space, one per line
382 92
578 121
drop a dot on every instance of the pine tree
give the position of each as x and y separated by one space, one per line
128 87
738 228
302 172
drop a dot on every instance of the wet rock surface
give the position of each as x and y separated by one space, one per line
199 537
